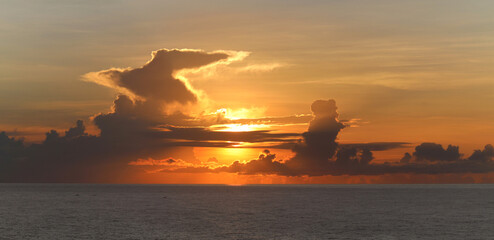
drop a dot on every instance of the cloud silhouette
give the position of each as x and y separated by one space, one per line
485 155
319 142
435 152
155 81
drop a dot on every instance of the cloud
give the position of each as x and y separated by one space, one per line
155 80
485 155
435 152
260 67
319 142
265 164
203 134
10 148
77 156
406 158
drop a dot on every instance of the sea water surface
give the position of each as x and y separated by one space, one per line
80 211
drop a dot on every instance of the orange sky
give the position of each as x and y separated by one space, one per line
400 73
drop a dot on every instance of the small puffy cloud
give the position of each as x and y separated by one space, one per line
435 152
406 158
485 155
265 164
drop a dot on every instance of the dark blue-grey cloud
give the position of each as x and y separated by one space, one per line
155 81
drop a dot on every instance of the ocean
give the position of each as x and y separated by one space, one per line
97 211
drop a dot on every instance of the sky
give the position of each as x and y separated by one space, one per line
238 92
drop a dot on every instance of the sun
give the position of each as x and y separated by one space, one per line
237 127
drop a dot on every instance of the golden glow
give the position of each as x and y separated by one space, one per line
241 113
233 179
225 156
240 127
234 151
208 70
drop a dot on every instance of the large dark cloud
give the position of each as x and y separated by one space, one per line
155 81
319 142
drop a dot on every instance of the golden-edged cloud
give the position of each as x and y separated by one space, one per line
157 79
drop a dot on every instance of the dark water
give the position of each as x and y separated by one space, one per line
51 211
